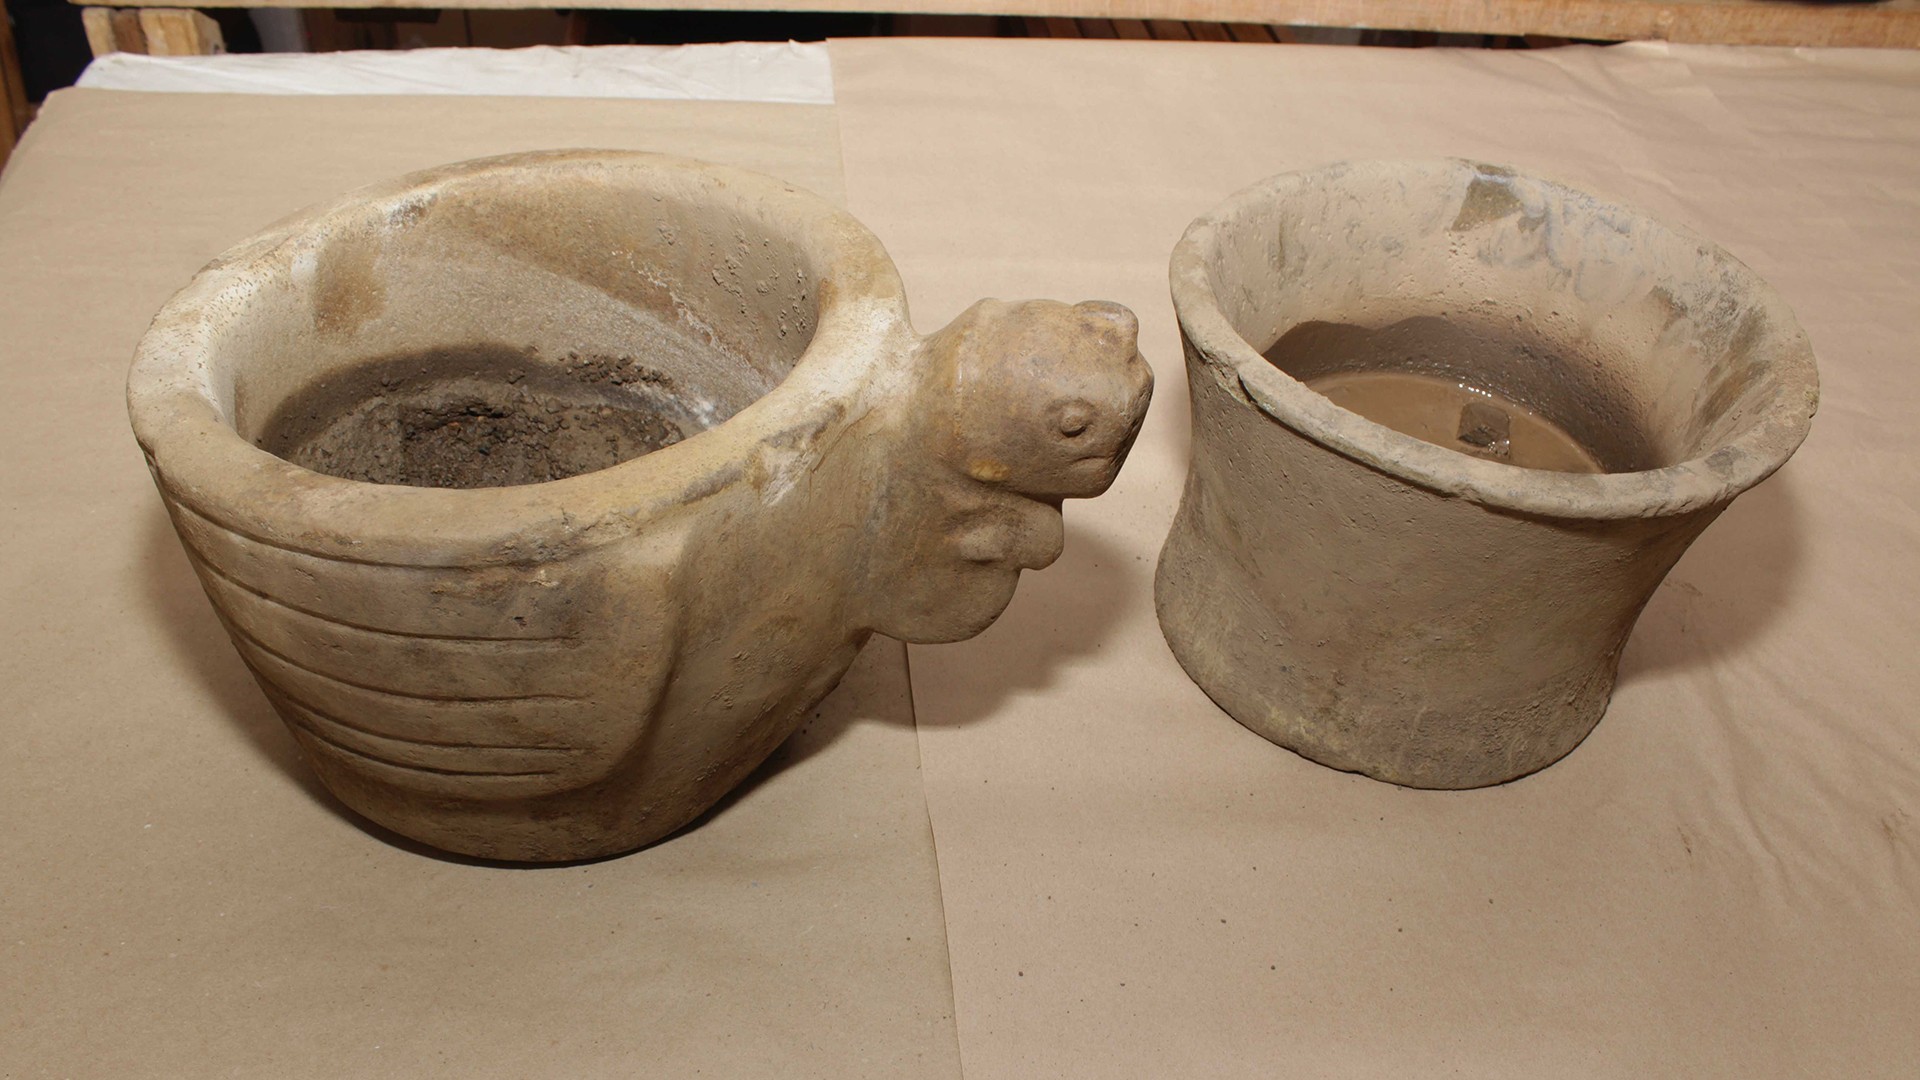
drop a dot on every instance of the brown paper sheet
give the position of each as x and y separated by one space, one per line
177 898
1724 880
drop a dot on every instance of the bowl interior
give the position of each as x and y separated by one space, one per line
1642 345
513 325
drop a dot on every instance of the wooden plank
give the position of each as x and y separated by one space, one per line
99 25
1888 23
1132 30
1207 31
1250 32
179 32
1096 28
156 31
128 36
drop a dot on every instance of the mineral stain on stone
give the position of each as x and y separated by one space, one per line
1453 414
1473 386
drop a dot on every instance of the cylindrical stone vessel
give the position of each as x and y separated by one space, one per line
1421 609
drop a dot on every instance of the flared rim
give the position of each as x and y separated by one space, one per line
204 462
1710 478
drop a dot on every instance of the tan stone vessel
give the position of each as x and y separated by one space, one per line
544 495
1424 609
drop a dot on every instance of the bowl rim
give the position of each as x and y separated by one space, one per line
1709 479
202 463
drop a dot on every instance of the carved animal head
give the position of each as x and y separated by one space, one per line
1043 398
1019 406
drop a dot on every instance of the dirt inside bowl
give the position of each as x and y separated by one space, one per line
1478 387
481 416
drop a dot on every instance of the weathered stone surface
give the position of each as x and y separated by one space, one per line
607 466
1427 615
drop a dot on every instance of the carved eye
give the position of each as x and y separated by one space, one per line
1074 418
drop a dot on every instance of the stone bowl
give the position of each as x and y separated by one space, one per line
545 495
1413 611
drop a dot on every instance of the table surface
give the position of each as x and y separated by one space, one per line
1071 863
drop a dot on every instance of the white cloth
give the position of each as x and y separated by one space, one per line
737 71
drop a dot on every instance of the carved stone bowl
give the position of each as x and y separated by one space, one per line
544 495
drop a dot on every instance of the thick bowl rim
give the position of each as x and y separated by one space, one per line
204 464
1709 479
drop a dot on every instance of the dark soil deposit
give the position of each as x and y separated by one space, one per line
1491 391
480 416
